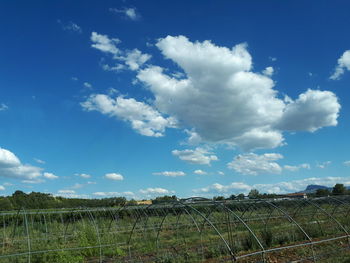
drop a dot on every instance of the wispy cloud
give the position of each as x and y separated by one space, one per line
70 26
171 173
343 64
3 107
128 12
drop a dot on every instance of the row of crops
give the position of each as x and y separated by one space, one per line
306 230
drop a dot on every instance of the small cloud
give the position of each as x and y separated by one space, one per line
87 85
221 173
85 176
75 78
89 182
129 13
347 163
50 176
310 74
114 177
200 172
77 186
39 161
343 64
253 164
323 165
7 184
272 58
268 71
196 156
70 26
156 190
3 107
33 181
171 173
294 168
2 188
104 43
66 192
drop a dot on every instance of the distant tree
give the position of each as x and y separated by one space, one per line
339 189
218 198
322 192
5 203
253 194
267 196
19 199
165 198
240 196
232 197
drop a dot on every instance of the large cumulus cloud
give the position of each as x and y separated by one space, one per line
220 99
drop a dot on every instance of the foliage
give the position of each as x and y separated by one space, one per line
339 189
322 192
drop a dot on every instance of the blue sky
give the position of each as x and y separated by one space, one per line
146 98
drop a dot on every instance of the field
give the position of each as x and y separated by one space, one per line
194 230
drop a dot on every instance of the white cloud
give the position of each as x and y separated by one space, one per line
253 164
200 172
39 161
278 188
66 191
33 181
219 188
114 176
117 67
109 194
171 173
104 43
215 96
2 188
153 191
3 107
323 165
272 59
89 182
87 85
142 117
7 184
70 194
197 156
129 12
85 176
105 194
70 26
343 64
294 168
11 167
135 58
268 71
50 176
223 101
313 110
347 163
221 173
77 186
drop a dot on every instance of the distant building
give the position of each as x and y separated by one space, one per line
144 202
297 195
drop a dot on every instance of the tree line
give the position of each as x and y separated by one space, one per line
37 200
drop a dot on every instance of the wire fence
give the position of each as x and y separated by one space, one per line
191 230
